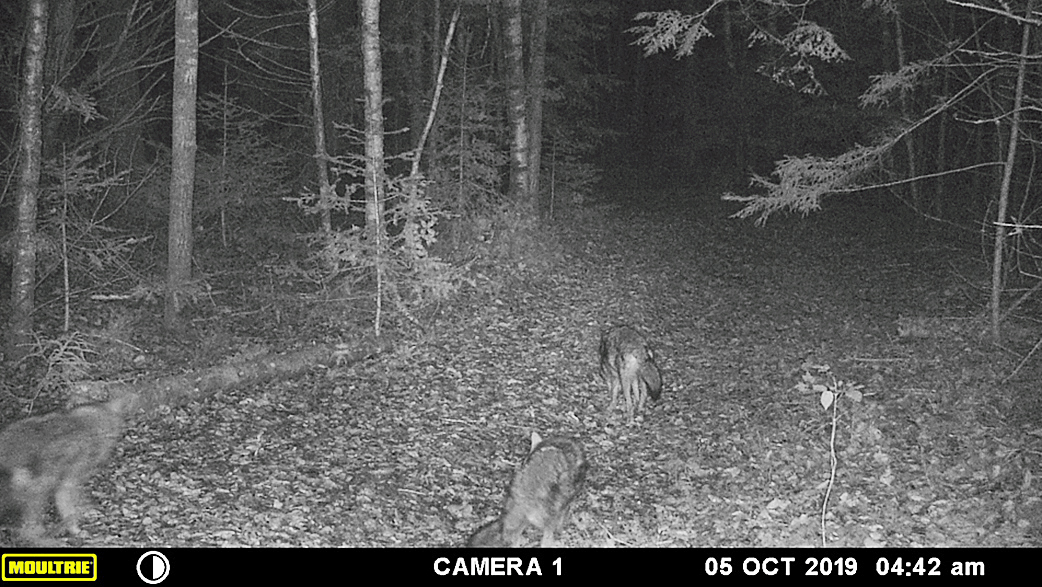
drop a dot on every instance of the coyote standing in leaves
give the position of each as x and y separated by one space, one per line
628 364
540 495
51 456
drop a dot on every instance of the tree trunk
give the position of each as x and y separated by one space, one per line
374 141
435 38
439 84
325 191
1007 177
23 274
939 199
516 104
913 186
182 173
416 77
536 85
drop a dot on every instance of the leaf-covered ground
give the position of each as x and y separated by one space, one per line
415 448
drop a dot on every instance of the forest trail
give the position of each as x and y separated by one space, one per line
416 448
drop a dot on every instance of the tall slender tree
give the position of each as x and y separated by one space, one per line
906 107
23 274
536 87
182 173
1007 177
374 139
325 190
516 104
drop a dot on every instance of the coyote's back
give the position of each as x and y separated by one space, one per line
540 494
628 365
51 456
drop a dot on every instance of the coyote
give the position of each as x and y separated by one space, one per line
51 456
627 363
540 494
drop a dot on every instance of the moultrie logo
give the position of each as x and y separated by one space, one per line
50 567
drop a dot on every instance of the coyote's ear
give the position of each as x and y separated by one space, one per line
536 439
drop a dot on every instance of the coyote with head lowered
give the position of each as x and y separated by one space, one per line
627 364
51 456
540 494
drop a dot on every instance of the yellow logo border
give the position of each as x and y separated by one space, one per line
22 555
